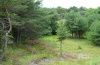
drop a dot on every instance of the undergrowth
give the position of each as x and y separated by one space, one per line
25 53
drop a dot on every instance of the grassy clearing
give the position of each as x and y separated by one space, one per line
75 46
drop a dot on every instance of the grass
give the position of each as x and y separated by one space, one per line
75 46
71 46
19 56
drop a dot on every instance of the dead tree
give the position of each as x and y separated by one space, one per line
7 27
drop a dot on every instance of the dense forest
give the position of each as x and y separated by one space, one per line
22 21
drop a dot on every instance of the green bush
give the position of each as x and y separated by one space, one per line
94 33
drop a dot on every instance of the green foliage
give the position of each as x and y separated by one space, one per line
92 18
61 31
25 17
49 18
76 24
61 11
75 9
94 34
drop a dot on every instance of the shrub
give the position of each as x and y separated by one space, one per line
94 33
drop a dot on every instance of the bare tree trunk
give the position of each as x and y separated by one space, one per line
10 25
5 46
6 36
61 49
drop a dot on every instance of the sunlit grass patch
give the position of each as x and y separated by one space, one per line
75 46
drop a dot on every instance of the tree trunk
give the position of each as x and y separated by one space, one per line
10 25
61 49
5 46
6 36
72 35
78 35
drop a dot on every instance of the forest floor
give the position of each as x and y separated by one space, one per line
75 52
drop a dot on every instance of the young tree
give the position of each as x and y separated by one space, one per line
62 34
